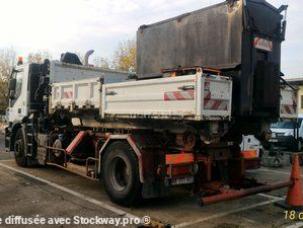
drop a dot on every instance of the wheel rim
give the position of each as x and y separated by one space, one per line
119 174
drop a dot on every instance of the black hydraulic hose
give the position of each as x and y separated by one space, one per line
282 79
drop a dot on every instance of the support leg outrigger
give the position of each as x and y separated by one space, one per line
294 197
231 194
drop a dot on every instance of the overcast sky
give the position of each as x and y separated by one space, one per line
78 25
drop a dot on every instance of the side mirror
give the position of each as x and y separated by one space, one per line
12 84
11 88
11 94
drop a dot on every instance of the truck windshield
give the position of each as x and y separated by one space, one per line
284 125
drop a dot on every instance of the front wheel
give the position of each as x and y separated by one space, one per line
120 174
19 149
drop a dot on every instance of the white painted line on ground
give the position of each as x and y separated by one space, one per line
296 225
271 196
268 170
275 171
249 220
223 214
99 203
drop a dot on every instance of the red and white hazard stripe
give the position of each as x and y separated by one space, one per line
209 103
68 94
179 95
288 109
214 104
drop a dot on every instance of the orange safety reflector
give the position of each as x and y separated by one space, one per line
75 142
175 159
20 60
249 154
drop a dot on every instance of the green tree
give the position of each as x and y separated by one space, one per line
125 56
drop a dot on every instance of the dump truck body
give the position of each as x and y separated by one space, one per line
192 97
66 72
209 37
241 37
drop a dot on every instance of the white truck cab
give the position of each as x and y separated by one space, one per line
29 88
18 93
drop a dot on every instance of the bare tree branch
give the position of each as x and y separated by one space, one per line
38 57
7 61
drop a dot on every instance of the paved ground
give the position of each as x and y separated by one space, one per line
50 192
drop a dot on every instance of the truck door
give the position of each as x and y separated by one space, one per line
18 95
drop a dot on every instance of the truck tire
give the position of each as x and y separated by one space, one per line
19 149
120 174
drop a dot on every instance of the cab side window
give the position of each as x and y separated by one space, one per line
19 80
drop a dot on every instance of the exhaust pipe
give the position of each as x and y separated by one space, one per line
86 57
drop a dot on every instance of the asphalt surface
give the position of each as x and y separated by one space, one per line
53 193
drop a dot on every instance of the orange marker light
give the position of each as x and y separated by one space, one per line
20 60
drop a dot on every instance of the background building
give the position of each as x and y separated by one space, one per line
298 82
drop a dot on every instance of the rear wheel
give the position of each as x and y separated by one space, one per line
120 174
19 149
